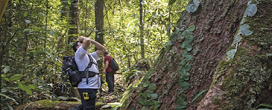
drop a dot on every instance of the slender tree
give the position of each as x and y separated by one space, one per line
99 23
219 50
2 9
142 29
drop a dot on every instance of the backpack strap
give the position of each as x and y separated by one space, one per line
89 65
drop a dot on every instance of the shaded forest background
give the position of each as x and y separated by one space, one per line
35 34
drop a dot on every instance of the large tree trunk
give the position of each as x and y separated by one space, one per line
228 61
74 22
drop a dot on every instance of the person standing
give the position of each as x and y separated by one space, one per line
87 88
109 72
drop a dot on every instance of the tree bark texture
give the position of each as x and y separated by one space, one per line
74 22
99 24
231 65
99 21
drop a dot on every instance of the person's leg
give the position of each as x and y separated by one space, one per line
88 104
110 80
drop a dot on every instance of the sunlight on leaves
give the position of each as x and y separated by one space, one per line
6 69
15 77
171 2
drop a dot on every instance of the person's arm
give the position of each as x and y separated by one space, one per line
86 45
106 66
100 48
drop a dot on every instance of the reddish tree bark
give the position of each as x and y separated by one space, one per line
232 82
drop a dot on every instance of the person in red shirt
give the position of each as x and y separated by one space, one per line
109 72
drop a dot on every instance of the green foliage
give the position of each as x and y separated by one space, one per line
245 30
230 54
197 95
251 10
182 103
265 106
185 67
171 2
34 37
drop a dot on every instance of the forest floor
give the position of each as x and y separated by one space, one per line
104 101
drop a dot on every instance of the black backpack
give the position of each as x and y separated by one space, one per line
70 69
113 64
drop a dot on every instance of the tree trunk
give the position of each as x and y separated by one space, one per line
74 14
64 9
3 7
223 58
99 23
142 29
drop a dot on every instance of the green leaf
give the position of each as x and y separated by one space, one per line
201 92
190 38
51 33
184 44
25 14
31 86
245 30
185 85
251 10
157 104
188 57
154 96
185 76
187 67
184 53
182 103
146 84
191 28
152 87
15 77
6 69
182 71
265 105
230 54
189 48
25 88
21 85
171 2
186 33
144 108
180 81
183 62
143 101
191 8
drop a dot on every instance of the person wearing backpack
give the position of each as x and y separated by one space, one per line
90 83
109 72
